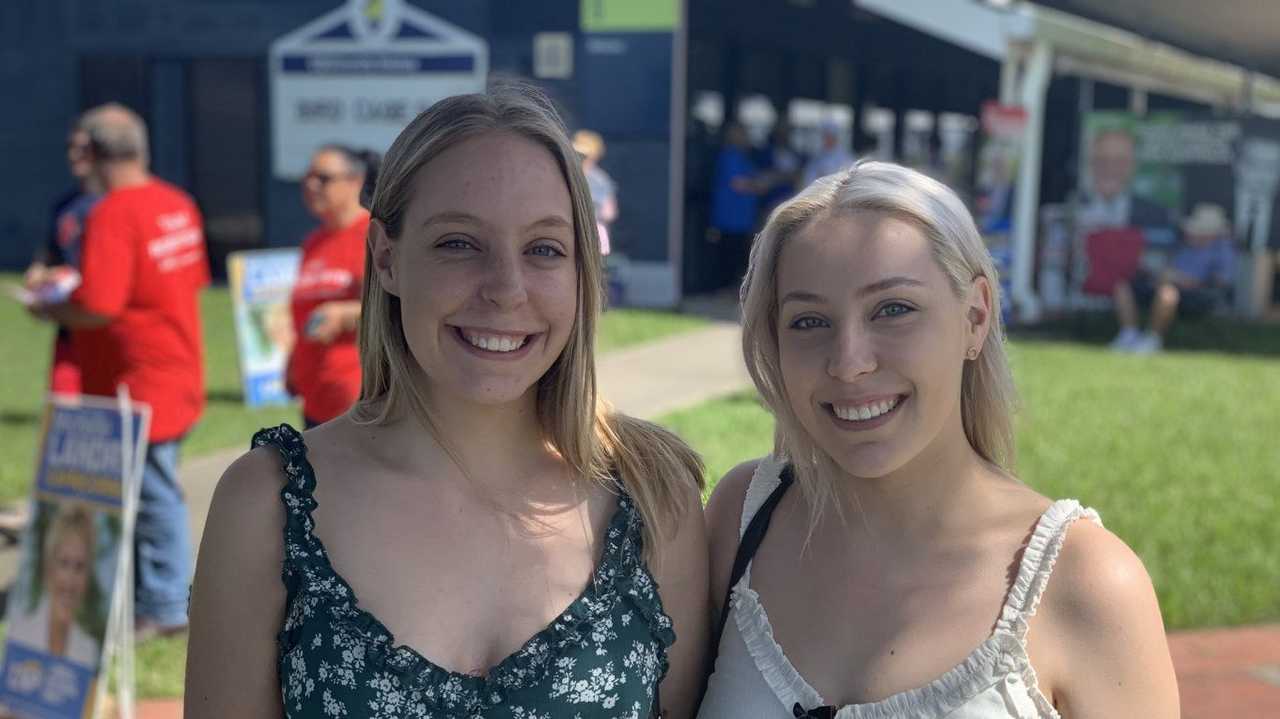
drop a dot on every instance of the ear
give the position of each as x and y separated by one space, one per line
978 313
383 252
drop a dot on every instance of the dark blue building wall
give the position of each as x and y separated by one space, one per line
49 50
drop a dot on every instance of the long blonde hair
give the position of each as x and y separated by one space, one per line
656 468
987 394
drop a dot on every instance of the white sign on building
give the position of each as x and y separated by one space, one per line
359 74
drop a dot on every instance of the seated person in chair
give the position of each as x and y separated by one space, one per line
1196 281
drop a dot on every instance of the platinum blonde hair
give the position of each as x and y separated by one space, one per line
987 395
656 468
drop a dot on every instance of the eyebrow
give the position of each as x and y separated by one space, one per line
443 218
463 218
879 286
551 221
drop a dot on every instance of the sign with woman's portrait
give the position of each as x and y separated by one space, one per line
73 554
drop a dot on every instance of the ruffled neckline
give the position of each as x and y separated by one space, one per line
1002 653
620 574
999 652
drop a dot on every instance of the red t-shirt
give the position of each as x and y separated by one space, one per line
143 265
327 376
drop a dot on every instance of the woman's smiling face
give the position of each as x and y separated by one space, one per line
485 268
872 340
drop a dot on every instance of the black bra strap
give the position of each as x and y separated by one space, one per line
751 539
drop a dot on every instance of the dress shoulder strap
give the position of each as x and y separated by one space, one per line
1037 563
300 478
303 552
764 481
777 478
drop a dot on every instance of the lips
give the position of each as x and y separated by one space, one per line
495 344
864 413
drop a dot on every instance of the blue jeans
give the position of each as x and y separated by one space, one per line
162 540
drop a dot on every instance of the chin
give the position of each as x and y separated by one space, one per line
867 465
497 394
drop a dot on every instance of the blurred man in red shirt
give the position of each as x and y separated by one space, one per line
135 320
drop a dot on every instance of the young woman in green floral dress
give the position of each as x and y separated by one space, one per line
517 549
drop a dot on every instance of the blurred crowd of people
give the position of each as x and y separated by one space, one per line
748 182
120 275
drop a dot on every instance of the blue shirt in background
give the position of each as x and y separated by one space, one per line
733 212
1213 263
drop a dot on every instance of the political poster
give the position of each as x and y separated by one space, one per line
65 612
261 282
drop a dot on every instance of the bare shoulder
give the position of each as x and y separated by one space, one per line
724 519
246 510
1098 580
690 535
231 651
254 475
1107 650
724 508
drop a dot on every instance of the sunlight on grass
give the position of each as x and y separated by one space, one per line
1177 452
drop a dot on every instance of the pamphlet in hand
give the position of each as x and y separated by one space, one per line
56 289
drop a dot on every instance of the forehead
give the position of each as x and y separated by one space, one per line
849 250
71 538
499 177
331 160
1113 143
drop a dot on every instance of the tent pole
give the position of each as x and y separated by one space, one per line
1034 86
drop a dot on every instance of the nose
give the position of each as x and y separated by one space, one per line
503 284
852 356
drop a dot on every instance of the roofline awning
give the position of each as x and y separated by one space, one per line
1085 48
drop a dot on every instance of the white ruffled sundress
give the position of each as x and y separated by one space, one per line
754 679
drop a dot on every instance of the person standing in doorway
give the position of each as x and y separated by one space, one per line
136 313
832 157
604 191
324 366
735 201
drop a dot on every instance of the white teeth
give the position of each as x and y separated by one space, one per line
495 343
866 411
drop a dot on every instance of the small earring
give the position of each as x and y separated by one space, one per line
972 353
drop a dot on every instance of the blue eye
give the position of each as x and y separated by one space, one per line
807 323
894 309
456 243
546 251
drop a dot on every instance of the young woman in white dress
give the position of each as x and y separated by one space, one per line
908 572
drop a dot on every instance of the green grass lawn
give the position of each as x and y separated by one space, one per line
226 421
1180 453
